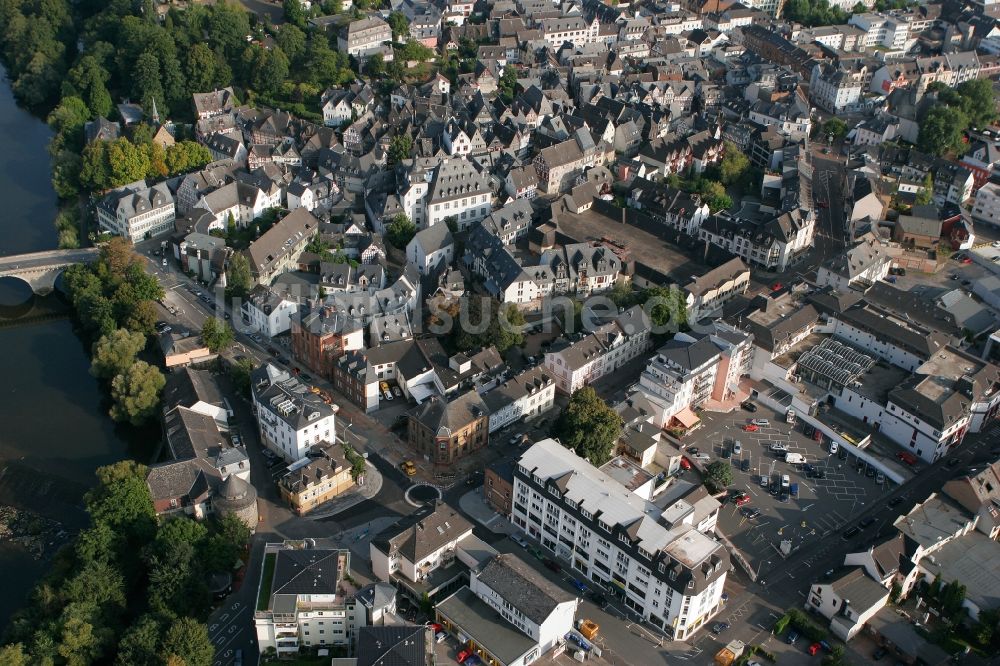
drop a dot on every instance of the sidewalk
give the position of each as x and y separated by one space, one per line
475 506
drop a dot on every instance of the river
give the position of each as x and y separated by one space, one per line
54 415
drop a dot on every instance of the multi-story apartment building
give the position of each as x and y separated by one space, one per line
609 347
671 576
323 475
446 430
137 212
573 29
987 204
558 166
708 292
279 248
838 88
311 601
419 544
528 394
364 37
289 417
458 190
268 311
688 370
881 30
762 236
322 335
537 614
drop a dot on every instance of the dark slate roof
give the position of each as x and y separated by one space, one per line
523 587
307 571
394 646
423 532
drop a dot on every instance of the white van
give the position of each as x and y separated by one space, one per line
785 482
794 458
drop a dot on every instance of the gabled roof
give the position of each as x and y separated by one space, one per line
424 532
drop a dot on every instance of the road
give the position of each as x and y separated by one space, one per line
47 258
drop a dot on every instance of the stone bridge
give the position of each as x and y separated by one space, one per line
41 269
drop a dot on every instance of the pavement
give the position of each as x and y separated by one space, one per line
474 505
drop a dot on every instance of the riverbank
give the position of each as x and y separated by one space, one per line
39 536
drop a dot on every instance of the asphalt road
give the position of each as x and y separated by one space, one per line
47 258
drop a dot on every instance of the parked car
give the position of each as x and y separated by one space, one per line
792 637
552 565
737 448
906 457
719 627
702 456
813 649
537 552
693 450
685 463
879 478
740 501
519 540
749 512
749 406
834 447
750 427
398 392
408 468
440 637
761 423
579 585
745 465
599 600
866 522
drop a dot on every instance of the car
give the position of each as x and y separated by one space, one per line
870 472
995 244
599 599
776 286
808 430
750 427
693 450
879 653
384 386
834 447
238 658
953 276
579 585
440 637
519 540
685 463
748 406
398 392
792 637
463 656
813 649
387 395
761 423
785 481
740 501
719 627
737 448
783 497
966 283
702 456
235 439
764 481
408 468
778 447
965 260
726 453
866 522
750 513
552 565
474 479
537 552
775 488
808 468
164 262
745 465
819 473
879 478
305 377
850 533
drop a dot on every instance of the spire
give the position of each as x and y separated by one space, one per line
156 114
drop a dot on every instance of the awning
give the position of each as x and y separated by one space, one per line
687 418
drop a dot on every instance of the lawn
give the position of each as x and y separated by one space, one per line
266 579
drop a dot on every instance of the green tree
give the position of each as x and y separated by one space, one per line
127 162
240 373
588 426
734 164
136 393
942 130
715 196
414 50
400 26
79 646
217 334
113 354
400 231
89 79
14 655
239 279
926 193
400 148
95 172
666 307
185 156
718 475
188 639
66 169
507 84
294 13
835 128
140 644
121 502
292 41
978 102
68 120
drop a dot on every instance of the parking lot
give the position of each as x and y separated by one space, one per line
824 490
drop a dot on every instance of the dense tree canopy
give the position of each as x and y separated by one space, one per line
114 353
136 393
217 334
588 426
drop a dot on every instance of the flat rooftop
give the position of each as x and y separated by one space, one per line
778 309
692 548
626 472
974 561
485 626
882 378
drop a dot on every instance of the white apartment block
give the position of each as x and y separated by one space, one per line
364 37
530 393
290 418
609 347
310 604
986 207
419 543
688 370
672 576
458 190
267 312
573 29
137 212
882 30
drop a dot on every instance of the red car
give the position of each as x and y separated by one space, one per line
907 457
685 463
740 501
751 427
814 649
463 655
435 626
